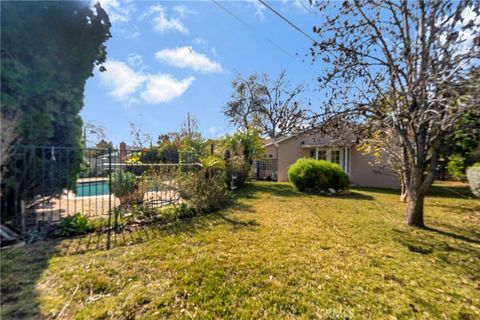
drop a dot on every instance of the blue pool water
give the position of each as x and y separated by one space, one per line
91 189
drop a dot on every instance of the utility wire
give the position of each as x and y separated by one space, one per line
251 27
232 14
286 20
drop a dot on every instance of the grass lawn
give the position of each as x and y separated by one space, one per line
275 254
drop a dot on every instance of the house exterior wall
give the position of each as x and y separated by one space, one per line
366 175
273 150
362 173
288 152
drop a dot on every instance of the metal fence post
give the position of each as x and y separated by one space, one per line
109 197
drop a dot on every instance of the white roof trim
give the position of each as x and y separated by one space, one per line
279 140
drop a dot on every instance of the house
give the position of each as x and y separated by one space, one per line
339 148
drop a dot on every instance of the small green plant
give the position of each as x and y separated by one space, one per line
72 225
456 166
311 175
124 185
184 211
121 220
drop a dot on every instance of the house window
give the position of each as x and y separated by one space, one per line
270 155
328 154
335 156
322 155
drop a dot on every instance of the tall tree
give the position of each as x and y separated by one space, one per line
412 54
8 134
272 107
48 51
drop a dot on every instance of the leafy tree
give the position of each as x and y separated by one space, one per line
246 143
104 144
8 134
412 54
272 107
48 51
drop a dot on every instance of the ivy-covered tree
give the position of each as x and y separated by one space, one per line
48 51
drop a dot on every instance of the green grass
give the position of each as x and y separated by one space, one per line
275 254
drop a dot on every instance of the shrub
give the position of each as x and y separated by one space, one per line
455 167
205 189
309 174
240 169
124 186
72 225
473 175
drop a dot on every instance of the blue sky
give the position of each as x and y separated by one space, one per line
167 58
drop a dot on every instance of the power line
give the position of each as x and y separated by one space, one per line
286 20
251 27
232 14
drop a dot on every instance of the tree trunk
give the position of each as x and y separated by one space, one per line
403 189
415 208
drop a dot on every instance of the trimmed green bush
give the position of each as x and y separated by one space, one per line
473 175
310 174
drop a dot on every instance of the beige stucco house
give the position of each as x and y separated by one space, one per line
358 166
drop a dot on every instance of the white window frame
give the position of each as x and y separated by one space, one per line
329 155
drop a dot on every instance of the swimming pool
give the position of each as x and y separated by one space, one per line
92 188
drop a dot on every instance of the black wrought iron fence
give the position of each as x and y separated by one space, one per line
45 184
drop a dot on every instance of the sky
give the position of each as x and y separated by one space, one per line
168 58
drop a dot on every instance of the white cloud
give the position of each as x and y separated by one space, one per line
183 11
163 88
186 57
118 11
135 60
259 8
121 79
200 41
129 86
162 23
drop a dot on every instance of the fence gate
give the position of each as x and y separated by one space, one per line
266 169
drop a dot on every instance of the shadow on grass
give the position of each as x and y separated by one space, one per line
135 234
444 245
459 192
453 235
22 268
